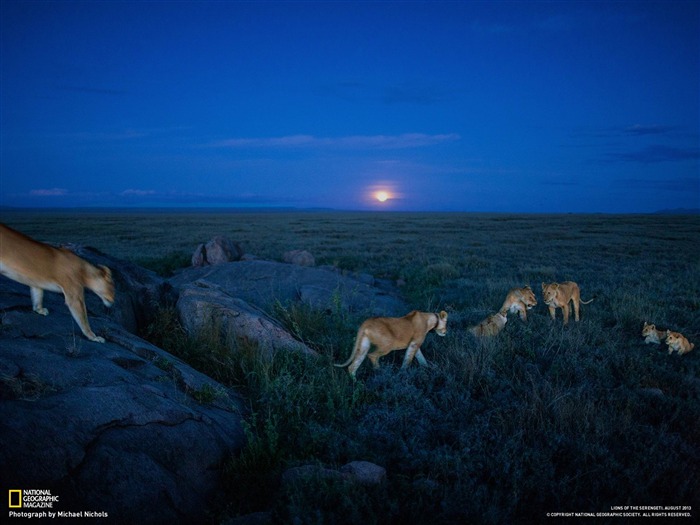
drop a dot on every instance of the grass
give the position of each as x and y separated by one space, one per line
543 418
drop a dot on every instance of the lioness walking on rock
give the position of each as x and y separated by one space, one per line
43 267
394 333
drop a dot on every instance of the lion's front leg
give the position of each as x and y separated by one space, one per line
565 311
37 300
77 309
522 313
411 352
552 312
420 358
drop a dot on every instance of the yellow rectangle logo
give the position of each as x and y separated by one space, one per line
15 499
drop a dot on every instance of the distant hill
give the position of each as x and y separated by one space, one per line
679 211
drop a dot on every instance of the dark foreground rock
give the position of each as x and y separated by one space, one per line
121 427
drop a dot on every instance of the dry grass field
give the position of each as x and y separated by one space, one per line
540 419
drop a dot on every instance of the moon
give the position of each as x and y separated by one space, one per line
382 196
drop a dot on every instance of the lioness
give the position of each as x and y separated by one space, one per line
676 341
490 326
394 333
652 335
558 295
43 267
519 300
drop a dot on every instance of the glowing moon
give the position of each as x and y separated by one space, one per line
382 196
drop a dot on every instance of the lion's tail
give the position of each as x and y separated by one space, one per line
358 343
587 302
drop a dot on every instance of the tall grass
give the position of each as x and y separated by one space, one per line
543 418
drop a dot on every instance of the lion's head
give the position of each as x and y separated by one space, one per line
441 326
528 297
550 292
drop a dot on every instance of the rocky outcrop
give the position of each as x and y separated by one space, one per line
299 257
203 306
266 283
121 427
219 250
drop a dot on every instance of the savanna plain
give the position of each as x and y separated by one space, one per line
543 418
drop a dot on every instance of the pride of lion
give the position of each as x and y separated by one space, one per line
44 267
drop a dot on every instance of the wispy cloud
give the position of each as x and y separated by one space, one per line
49 192
403 141
136 193
674 184
654 129
657 153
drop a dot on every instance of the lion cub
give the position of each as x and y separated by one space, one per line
652 335
559 295
490 326
395 333
43 267
678 342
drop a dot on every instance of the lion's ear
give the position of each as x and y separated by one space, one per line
443 315
544 286
105 271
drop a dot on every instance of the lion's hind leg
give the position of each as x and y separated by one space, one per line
362 350
37 300
379 352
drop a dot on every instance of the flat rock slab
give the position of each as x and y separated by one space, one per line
121 427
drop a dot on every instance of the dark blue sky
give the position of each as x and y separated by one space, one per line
465 106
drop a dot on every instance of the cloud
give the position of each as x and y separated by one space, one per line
657 153
136 193
655 129
49 192
687 185
403 141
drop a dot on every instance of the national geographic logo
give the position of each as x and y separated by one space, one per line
31 499
15 499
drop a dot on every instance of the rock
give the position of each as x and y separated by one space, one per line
219 250
356 471
121 427
267 283
201 305
364 472
299 257
305 472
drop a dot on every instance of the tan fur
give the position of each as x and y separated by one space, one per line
676 341
394 333
43 267
490 326
559 295
519 300
652 335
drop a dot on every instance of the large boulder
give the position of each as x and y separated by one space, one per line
267 283
219 250
201 306
122 428
299 257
